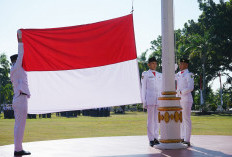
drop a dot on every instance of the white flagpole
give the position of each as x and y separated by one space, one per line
170 111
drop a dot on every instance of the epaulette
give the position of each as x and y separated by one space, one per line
144 73
191 75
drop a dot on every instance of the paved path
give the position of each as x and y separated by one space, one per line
123 146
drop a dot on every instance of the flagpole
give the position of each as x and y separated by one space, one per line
170 111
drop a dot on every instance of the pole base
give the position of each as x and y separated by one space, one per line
170 146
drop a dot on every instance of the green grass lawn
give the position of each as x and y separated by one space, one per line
132 123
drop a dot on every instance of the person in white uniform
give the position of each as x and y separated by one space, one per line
151 89
21 94
185 85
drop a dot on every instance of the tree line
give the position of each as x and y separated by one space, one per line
6 89
208 45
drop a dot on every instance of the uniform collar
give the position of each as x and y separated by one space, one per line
152 70
184 71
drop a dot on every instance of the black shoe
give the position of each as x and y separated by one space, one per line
188 143
22 152
156 141
152 143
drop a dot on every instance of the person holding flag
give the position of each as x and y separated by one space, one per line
151 89
21 94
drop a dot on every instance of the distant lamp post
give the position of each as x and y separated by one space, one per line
201 94
0 81
219 108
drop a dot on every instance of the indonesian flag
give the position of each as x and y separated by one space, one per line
81 67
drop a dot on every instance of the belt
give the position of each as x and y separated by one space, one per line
23 94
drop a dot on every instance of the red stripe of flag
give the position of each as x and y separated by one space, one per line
79 47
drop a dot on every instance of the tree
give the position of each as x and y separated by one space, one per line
142 61
209 40
217 19
6 90
208 44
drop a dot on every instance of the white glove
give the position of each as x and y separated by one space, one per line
176 66
19 33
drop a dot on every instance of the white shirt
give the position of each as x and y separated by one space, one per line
151 87
18 75
185 85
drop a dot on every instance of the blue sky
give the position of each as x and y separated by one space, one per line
15 14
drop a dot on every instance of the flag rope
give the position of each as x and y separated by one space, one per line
132 7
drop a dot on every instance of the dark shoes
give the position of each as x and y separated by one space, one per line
155 142
152 143
187 143
22 152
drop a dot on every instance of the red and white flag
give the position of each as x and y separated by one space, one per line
82 67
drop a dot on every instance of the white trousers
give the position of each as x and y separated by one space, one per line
152 122
20 112
186 126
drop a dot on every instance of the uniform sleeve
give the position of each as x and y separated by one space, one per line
190 84
144 87
19 61
176 76
176 66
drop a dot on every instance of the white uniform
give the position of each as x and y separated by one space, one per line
185 85
151 90
20 85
